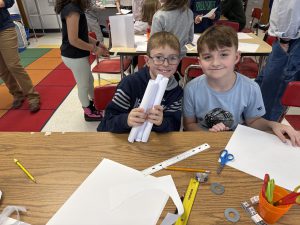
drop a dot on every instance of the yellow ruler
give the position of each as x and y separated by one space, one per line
188 201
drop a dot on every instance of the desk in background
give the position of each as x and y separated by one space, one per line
61 162
264 49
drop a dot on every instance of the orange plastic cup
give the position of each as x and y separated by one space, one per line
269 212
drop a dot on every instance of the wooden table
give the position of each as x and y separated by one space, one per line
264 49
61 162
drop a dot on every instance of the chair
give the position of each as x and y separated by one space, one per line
110 66
234 25
103 95
256 16
248 66
141 61
190 68
291 98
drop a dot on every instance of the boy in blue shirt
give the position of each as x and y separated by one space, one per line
221 99
123 111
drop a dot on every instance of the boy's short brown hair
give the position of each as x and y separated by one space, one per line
217 36
162 39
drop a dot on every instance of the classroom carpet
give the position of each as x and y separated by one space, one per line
51 78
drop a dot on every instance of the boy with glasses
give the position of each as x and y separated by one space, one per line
123 112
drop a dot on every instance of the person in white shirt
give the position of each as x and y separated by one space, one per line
283 63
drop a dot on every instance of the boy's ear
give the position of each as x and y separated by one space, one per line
199 61
238 57
146 60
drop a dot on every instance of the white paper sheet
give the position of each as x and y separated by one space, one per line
122 31
246 47
210 13
12 221
257 152
114 194
195 38
242 35
125 11
140 42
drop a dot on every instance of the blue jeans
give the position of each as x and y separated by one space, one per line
281 68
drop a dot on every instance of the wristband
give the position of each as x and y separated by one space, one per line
282 41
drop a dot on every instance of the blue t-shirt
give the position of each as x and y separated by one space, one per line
243 100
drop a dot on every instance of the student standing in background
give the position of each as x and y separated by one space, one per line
137 6
175 16
148 10
93 14
75 50
202 7
283 64
233 10
12 72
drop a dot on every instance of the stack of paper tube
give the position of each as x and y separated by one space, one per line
153 95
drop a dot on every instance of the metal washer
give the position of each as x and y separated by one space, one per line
236 216
217 188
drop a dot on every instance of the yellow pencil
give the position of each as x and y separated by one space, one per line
24 170
186 169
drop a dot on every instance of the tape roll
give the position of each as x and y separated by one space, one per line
231 211
217 188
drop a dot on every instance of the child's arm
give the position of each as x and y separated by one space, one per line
277 128
118 5
190 124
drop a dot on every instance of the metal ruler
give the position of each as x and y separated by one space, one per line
188 201
175 159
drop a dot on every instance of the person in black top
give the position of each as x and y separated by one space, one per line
75 50
233 10
124 111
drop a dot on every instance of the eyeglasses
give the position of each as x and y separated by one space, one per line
159 60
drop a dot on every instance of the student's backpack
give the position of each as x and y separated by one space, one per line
22 37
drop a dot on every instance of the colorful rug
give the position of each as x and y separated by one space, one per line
51 79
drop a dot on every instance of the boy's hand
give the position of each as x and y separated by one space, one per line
198 19
281 129
136 117
2 4
219 127
212 17
155 115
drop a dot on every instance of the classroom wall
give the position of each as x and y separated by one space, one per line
46 7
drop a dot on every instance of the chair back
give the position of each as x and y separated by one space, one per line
234 25
190 68
291 95
269 39
256 13
103 95
141 61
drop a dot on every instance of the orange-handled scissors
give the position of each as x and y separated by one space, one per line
291 198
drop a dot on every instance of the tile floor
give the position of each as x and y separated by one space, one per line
69 116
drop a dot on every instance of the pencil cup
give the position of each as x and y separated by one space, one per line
269 212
